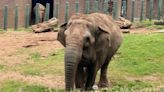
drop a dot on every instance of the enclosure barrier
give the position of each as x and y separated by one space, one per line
88 9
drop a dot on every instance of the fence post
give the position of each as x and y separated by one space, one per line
162 14
142 10
57 9
16 18
87 11
67 11
47 12
115 9
124 6
5 17
37 17
151 10
77 6
96 6
27 15
133 10
106 7
159 9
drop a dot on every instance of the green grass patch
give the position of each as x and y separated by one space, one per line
35 56
140 55
11 86
148 24
17 86
53 64
1 67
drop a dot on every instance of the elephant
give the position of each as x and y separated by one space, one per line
41 11
90 41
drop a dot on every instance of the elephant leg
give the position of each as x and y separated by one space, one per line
91 72
80 77
103 82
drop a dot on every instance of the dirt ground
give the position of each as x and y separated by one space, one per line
10 42
44 43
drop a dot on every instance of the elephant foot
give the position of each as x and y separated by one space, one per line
103 85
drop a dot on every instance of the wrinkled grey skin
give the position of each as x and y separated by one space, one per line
90 41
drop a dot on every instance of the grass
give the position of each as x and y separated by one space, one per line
1 67
19 29
139 64
148 24
16 86
53 64
141 55
35 56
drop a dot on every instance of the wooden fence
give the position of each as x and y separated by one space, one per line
77 7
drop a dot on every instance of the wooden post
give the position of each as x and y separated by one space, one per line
56 9
67 11
37 17
5 17
142 10
77 6
133 10
105 7
124 8
27 15
47 12
87 9
96 6
159 9
151 10
16 18
114 9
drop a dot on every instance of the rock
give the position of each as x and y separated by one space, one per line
123 23
125 30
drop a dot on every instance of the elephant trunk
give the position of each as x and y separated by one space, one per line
72 56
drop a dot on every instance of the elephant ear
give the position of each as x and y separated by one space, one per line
61 36
104 33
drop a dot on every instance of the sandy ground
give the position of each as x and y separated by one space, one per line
44 43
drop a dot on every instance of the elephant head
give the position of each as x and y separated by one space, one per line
78 36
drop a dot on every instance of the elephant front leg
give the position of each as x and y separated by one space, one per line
103 82
80 78
91 72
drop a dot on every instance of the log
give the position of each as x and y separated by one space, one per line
123 23
45 26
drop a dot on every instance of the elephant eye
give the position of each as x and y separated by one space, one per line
86 42
87 39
